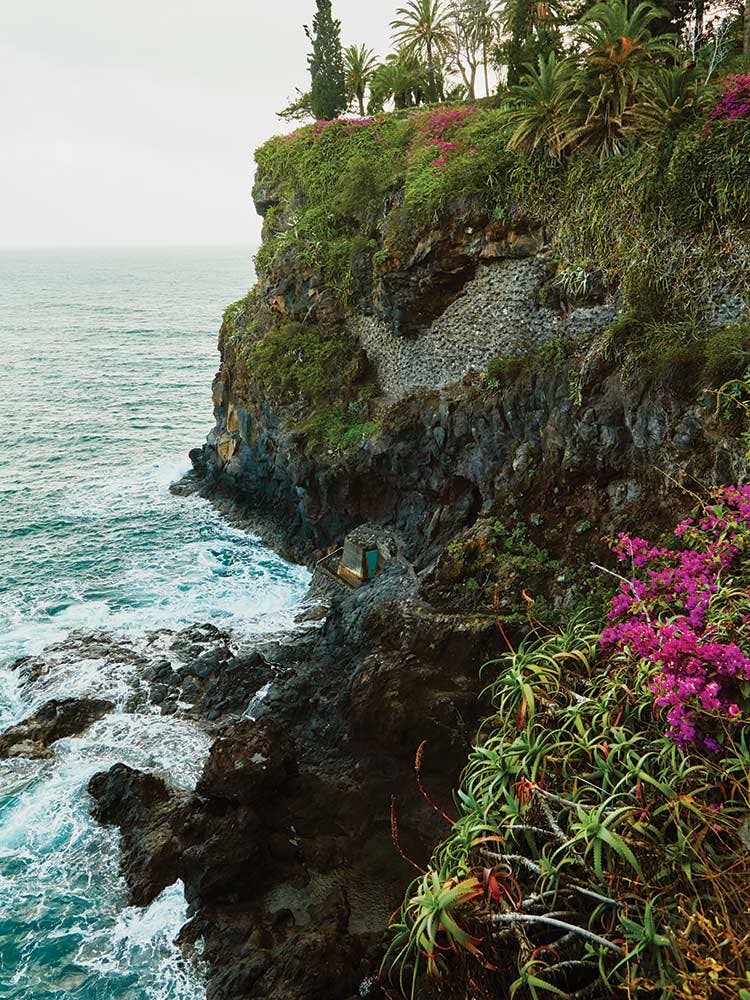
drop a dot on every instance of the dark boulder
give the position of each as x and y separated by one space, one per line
53 721
248 762
147 813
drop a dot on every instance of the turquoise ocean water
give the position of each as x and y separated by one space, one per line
107 359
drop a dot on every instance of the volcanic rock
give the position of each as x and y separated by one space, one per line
53 721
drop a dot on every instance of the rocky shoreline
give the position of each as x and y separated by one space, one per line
285 847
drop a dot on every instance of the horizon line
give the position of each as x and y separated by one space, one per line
4 247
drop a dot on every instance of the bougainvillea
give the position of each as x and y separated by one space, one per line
685 611
347 125
439 130
735 100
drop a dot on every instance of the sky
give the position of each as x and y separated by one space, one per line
135 123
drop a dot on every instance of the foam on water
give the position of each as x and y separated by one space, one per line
109 359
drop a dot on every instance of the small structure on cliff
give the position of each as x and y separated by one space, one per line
364 554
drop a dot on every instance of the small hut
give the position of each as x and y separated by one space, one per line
364 555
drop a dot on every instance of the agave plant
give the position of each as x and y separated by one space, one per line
545 108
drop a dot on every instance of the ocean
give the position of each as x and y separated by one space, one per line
107 360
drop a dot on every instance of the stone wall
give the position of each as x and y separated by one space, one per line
498 312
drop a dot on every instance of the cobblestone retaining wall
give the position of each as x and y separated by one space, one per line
497 313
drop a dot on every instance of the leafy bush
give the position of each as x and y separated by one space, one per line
678 613
734 102
596 839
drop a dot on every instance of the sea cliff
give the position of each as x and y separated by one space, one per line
501 365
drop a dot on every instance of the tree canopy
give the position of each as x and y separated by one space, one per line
326 64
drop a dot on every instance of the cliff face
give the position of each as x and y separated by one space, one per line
509 403
450 387
478 347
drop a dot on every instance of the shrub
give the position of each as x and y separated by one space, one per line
734 102
305 363
598 838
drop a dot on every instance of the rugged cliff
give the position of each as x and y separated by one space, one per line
432 348
442 343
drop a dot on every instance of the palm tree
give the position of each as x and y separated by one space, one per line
400 78
359 65
423 29
618 44
670 98
544 109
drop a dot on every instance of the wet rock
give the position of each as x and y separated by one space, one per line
249 761
53 721
147 813
158 693
160 671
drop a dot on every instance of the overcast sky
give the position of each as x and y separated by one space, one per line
134 123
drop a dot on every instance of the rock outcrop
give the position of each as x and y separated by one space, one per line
285 847
53 721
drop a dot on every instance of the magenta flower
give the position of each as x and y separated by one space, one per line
734 102
678 611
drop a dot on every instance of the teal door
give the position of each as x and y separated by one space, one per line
372 563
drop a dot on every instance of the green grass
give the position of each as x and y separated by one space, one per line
684 355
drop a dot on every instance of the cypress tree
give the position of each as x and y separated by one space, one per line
326 64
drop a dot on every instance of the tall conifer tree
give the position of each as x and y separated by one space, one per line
326 64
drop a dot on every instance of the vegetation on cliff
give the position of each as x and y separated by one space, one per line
315 374
663 221
601 836
625 159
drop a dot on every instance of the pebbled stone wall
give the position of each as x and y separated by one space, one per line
498 312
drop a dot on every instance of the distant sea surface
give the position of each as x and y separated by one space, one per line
106 362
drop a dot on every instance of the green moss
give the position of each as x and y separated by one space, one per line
338 179
338 429
505 369
727 351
